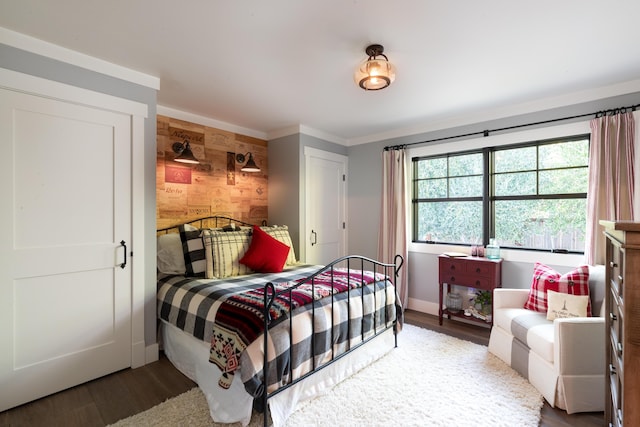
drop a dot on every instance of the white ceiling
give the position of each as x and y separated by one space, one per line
277 64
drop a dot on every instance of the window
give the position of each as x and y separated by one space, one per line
530 195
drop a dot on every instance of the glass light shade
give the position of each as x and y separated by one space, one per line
375 74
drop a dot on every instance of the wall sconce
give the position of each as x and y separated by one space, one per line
185 155
375 73
250 166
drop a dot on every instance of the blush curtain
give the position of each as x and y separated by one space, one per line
392 237
611 178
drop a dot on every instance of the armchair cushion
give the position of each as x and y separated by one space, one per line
530 328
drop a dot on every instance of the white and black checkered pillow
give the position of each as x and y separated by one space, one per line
193 251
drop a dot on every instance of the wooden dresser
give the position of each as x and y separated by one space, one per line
622 317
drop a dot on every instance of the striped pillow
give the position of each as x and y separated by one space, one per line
281 233
225 249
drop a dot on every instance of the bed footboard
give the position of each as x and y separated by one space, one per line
339 321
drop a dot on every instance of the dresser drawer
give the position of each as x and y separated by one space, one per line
615 322
616 265
615 384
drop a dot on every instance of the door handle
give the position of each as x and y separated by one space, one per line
315 238
124 245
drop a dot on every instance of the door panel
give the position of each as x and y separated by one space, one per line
63 169
39 298
65 302
325 204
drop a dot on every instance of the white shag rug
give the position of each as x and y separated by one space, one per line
430 379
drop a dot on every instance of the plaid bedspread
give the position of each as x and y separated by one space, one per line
228 314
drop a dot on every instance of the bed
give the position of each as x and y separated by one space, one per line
228 290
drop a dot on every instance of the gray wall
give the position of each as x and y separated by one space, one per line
40 66
284 185
287 182
364 190
365 186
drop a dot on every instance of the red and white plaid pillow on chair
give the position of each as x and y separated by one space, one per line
575 282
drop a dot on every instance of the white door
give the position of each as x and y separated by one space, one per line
325 206
65 301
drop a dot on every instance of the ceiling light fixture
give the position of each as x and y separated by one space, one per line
185 155
250 166
376 72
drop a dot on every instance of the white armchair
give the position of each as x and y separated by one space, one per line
564 358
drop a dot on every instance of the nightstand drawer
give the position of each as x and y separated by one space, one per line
477 282
482 269
452 266
469 266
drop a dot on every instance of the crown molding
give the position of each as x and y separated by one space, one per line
59 53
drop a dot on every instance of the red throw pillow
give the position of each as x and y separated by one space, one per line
575 282
265 254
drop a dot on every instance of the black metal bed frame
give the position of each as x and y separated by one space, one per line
270 294
391 271
207 221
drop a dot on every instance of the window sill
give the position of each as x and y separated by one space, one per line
549 258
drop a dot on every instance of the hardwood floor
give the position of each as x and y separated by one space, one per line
128 392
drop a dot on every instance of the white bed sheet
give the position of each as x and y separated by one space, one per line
191 356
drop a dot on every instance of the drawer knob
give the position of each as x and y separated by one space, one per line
477 283
613 316
619 348
452 268
612 264
478 270
612 369
452 279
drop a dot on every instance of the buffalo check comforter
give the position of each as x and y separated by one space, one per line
346 306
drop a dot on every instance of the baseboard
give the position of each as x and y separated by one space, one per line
142 355
423 306
152 353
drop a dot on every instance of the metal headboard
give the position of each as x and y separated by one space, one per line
214 221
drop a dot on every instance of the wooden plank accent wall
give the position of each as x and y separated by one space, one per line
216 186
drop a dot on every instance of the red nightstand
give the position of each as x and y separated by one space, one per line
473 272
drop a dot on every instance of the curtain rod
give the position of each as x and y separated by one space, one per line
486 132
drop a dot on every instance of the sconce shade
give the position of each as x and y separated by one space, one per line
185 155
250 166
376 72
